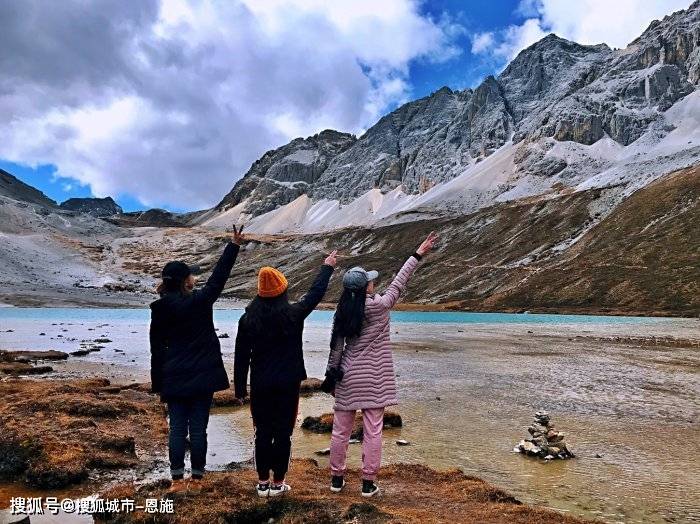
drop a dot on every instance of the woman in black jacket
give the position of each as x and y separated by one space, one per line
269 342
186 363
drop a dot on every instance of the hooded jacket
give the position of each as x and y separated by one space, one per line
185 351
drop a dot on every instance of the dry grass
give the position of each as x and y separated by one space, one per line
55 432
411 493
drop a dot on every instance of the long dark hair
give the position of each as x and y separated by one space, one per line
172 286
349 315
271 317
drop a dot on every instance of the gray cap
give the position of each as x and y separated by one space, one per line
358 278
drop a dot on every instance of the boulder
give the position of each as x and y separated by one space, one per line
324 423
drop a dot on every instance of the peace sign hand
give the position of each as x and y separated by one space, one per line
238 236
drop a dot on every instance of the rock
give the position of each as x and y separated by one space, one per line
98 207
23 368
530 448
32 356
324 423
598 456
224 335
546 442
226 398
310 385
402 442
102 341
80 353
323 452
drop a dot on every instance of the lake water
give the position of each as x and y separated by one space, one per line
469 384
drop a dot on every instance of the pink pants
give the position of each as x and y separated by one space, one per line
372 424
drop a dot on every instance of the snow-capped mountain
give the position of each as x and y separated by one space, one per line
561 117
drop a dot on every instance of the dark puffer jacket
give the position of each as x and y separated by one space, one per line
185 351
275 356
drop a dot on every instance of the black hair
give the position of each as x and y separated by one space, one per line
168 285
269 317
350 314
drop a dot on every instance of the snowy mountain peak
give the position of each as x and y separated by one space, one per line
559 116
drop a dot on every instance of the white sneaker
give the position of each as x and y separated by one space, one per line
263 489
275 491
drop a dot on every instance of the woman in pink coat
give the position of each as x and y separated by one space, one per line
361 368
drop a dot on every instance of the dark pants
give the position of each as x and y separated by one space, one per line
188 415
274 413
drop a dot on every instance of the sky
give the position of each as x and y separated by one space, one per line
166 103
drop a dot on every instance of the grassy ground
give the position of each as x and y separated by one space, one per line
411 493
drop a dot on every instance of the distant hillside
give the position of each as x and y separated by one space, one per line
547 254
99 207
13 188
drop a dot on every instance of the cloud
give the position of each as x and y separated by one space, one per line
585 21
602 21
482 42
171 102
517 37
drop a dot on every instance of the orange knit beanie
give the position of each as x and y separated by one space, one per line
271 283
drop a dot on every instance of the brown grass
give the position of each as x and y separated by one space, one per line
411 493
55 432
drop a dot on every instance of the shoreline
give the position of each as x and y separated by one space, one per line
143 301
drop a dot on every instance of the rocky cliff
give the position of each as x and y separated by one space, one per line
554 90
98 207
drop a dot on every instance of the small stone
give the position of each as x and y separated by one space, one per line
598 456
323 452
354 441
402 442
549 457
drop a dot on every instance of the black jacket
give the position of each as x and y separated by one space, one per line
276 359
185 351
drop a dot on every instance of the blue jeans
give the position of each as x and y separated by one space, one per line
188 415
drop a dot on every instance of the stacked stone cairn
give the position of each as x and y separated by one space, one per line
545 441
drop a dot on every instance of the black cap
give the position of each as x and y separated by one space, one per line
177 271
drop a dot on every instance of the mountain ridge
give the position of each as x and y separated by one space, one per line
555 89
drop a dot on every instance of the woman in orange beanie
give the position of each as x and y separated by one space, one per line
269 342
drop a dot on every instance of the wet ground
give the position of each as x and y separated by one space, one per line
629 405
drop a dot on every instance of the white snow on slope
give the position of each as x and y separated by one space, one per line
671 143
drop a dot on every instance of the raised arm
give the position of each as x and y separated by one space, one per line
158 348
241 360
312 297
216 282
393 292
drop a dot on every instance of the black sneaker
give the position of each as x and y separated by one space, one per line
369 488
337 483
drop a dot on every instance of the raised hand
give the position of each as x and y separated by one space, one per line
427 244
238 236
331 259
